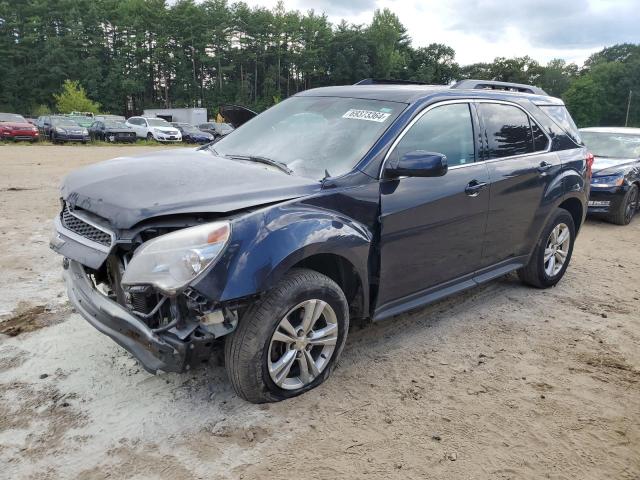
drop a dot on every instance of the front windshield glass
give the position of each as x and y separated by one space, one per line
12 117
158 122
189 128
313 136
114 124
63 122
224 127
613 145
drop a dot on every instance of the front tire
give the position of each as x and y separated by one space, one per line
552 253
628 207
288 342
150 137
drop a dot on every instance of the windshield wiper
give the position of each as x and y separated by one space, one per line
267 161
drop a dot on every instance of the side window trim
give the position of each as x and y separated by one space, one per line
481 145
417 118
531 119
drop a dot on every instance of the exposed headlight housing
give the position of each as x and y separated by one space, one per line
172 261
608 181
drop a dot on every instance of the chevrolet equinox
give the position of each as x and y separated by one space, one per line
338 203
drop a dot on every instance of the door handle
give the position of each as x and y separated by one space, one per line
544 166
473 188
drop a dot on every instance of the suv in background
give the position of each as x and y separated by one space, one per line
154 129
15 127
362 201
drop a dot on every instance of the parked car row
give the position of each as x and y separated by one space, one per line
108 128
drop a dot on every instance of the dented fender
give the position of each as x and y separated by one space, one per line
267 243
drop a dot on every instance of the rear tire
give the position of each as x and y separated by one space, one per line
627 208
274 354
552 253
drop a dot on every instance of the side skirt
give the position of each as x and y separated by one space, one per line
433 294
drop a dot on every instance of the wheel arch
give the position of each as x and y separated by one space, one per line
574 206
344 273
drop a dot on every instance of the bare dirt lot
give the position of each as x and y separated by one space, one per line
502 382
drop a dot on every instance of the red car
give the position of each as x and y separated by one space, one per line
15 127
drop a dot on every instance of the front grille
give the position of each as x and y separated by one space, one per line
84 229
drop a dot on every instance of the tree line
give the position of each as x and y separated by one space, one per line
135 54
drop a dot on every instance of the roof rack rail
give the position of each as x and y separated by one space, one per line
387 81
495 85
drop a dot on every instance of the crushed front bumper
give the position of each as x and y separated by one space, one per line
154 351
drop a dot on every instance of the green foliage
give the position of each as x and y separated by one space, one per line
41 110
74 99
135 54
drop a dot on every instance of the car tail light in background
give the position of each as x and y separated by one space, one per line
590 158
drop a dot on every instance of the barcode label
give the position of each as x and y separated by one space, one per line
370 115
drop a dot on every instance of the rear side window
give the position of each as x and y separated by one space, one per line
447 129
560 115
508 131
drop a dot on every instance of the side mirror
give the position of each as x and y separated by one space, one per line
418 163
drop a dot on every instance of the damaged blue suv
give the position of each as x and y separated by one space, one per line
340 203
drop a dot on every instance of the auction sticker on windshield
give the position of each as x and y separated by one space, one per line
370 115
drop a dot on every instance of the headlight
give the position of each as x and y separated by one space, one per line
608 181
85 131
60 130
172 261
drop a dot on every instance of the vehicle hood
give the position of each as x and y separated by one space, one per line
236 115
127 190
69 129
608 166
16 125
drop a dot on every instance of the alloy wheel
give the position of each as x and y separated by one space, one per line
557 249
302 344
631 207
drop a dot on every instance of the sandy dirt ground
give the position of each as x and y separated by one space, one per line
501 382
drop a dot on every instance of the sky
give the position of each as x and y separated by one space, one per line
480 30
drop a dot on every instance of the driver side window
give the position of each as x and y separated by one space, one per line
447 129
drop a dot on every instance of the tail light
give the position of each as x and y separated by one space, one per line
590 158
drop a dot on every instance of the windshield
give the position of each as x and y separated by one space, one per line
313 136
158 122
12 117
189 128
114 124
224 127
616 145
63 122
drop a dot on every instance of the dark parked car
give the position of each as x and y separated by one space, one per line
191 134
15 127
338 203
63 129
216 129
615 185
112 131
